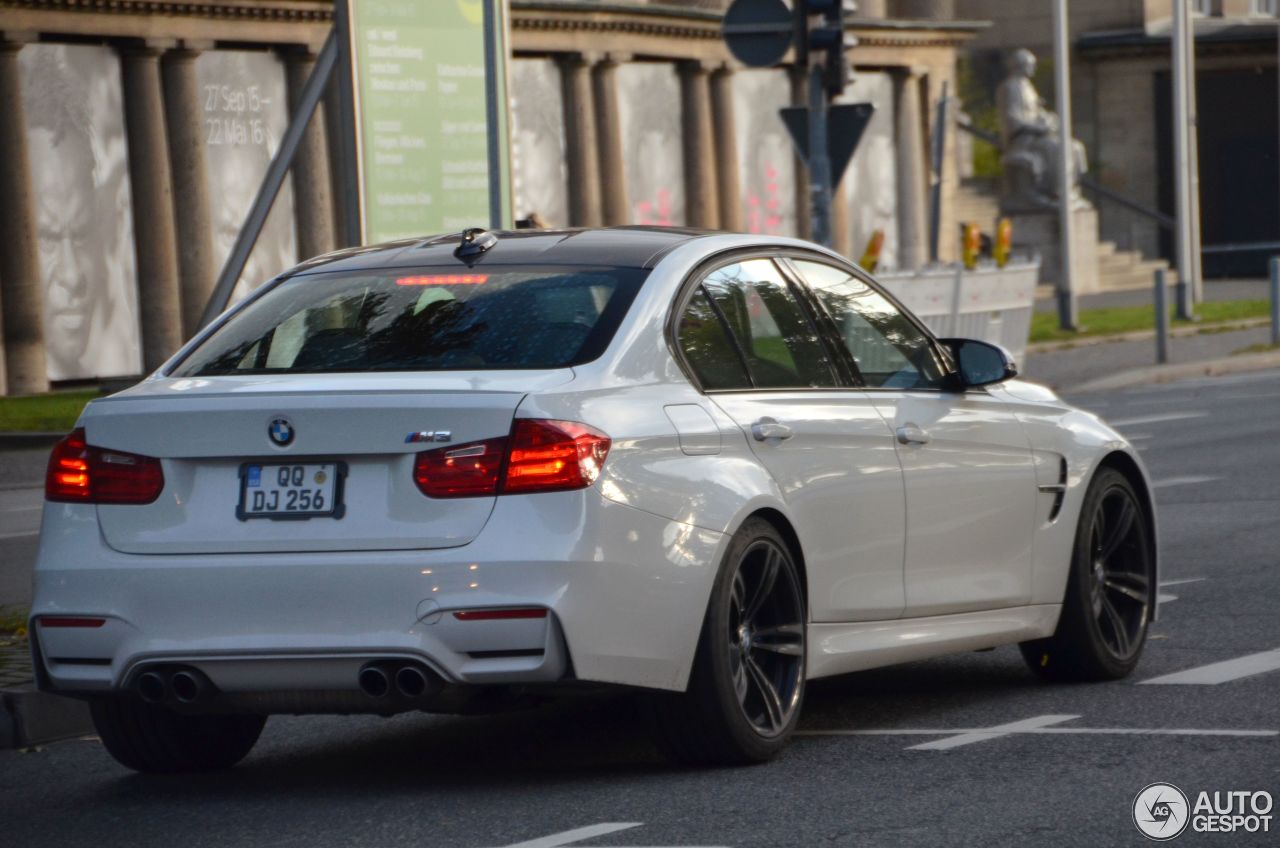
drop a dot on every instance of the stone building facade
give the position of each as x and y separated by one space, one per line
1122 106
136 133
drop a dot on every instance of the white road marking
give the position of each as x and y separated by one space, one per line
22 509
1038 726
1182 481
1223 672
1156 419
556 840
1164 597
30 534
576 835
1179 581
972 736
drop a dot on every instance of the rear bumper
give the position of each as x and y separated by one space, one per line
625 592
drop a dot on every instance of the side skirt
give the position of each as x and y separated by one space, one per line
842 648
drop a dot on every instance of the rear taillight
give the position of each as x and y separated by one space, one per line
81 473
538 456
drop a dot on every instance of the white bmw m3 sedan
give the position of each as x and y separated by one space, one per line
437 474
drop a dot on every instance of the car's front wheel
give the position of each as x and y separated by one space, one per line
153 739
1110 590
747 683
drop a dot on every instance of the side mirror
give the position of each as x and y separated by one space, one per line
979 363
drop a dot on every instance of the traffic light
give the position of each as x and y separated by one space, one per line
825 37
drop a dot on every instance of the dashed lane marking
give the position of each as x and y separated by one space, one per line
574 837
1163 597
1182 481
1223 672
1157 419
1046 725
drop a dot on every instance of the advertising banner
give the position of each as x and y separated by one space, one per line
430 94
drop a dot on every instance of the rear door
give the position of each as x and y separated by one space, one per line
970 480
754 348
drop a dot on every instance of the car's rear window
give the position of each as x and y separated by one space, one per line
426 319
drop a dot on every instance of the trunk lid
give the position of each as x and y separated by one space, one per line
208 431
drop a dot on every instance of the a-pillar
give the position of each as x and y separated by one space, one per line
700 195
581 147
912 175
155 241
193 213
312 183
614 199
21 287
726 146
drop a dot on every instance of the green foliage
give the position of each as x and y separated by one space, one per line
52 413
1129 319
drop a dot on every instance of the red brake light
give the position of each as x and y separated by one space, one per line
81 473
460 472
445 280
552 456
539 456
70 621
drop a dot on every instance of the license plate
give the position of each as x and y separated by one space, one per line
296 490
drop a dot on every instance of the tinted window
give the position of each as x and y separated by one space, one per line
428 319
890 350
782 348
707 347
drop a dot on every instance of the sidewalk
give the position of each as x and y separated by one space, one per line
1066 369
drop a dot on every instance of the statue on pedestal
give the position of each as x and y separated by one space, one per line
1029 134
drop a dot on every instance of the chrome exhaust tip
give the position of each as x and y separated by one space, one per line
151 687
411 681
374 681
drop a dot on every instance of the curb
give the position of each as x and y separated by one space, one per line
1148 335
23 441
29 717
1181 371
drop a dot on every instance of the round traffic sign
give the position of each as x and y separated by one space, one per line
758 32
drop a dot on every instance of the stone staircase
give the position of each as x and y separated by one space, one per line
1118 270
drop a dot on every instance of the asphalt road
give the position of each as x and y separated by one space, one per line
531 778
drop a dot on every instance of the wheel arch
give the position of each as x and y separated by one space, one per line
1124 463
783 525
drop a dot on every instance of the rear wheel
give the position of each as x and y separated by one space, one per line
747 683
150 738
1110 592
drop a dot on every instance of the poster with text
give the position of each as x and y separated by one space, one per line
431 115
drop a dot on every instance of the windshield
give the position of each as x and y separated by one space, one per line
427 319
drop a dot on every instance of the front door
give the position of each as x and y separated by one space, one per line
967 465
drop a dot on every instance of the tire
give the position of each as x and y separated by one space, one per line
1110 591
156 740
747 685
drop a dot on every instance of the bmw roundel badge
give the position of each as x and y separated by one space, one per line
280 431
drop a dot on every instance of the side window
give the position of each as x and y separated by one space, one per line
891 352
779 341
708 348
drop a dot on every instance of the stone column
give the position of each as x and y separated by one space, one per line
312 183
615 201
21 285
580 141
841 226
912 181
800 97
700 194
726 147
159 302
193 215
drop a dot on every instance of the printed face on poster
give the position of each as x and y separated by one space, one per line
431 136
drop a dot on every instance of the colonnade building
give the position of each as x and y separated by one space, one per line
136 133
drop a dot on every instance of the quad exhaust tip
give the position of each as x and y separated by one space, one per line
152 687
170 685
374 681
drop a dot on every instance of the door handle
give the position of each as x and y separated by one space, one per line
767 428
911 434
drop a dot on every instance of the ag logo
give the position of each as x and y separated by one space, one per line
1161 811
